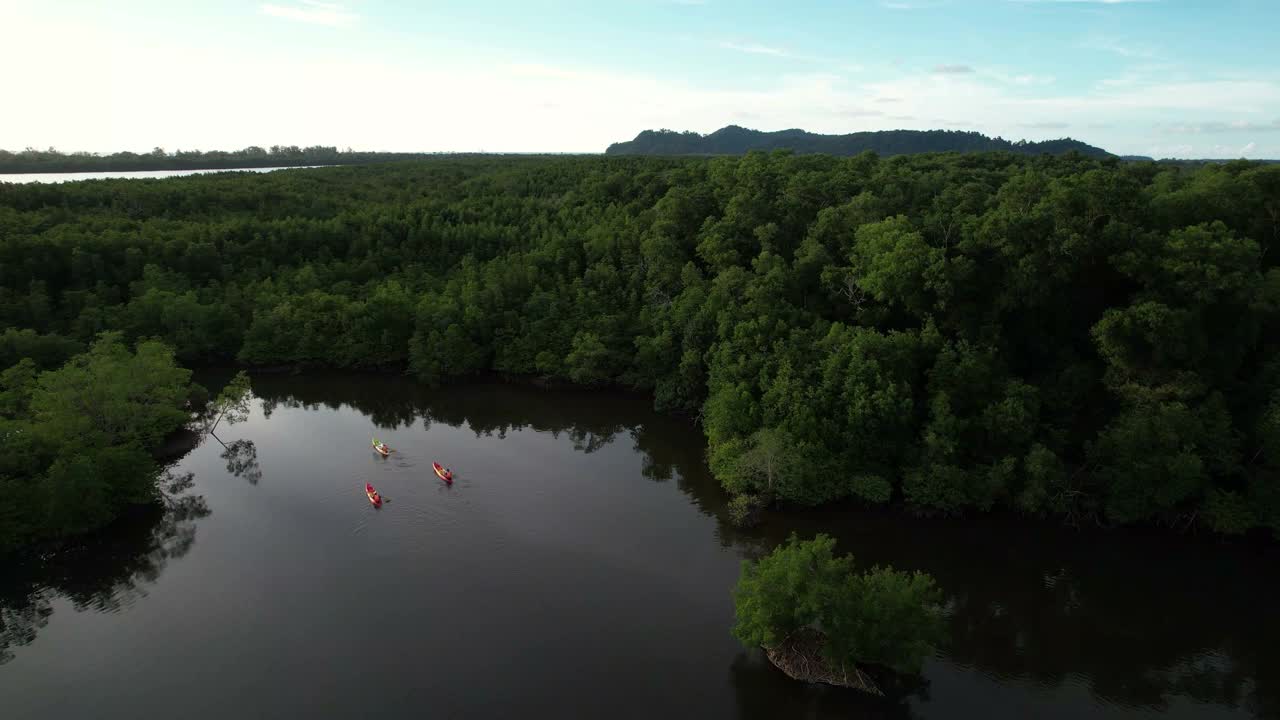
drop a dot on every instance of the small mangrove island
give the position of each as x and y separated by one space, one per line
819 620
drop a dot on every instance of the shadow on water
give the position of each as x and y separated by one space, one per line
1132 620
106 572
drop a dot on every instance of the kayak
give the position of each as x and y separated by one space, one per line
380 448
445 475
374 497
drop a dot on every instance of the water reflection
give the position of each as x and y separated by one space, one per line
105 573
241 457
1081 623
1134 620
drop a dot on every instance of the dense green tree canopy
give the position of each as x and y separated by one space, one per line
75 442
880 616
1088 339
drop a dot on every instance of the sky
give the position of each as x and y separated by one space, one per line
1165 78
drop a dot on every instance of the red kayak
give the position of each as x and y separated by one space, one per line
445 475
374 497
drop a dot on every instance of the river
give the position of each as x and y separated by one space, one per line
579 566
59 177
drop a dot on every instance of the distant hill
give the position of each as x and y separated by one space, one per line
735 140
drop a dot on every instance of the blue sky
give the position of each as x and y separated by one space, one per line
1154 77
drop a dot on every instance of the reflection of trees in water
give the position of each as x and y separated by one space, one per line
241 457
22 615
591 440
1136 620
105 572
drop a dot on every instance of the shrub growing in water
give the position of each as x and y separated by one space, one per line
880 617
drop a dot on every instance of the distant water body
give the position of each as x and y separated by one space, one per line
74 176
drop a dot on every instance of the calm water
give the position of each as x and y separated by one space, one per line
73 176
578 567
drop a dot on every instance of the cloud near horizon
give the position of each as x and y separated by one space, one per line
1222 127
311 11
502 98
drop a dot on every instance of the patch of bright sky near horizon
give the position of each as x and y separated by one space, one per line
1167 78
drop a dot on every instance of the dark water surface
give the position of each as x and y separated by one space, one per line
578 567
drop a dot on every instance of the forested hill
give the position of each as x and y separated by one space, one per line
52 161
1089 340
734 140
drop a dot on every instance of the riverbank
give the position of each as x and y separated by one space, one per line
998 516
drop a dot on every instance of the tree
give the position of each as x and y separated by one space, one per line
881 617
758 463
75 442
892 263
111 396
1060 335
231 404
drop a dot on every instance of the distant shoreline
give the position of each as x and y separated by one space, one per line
30 162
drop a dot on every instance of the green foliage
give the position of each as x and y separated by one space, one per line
766 463
1229 512
1068 336
872 488
744 510
46 351
894 265
1157 459
880 616
231 405
886 617
75 442
111 396
791 588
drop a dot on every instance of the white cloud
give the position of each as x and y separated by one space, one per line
1082 2
1227 96
1119 46
1247 150
1170 151
856 112
1221 127
467 105
1142 73
912 4
311 11
1002 75
756 49
952 69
